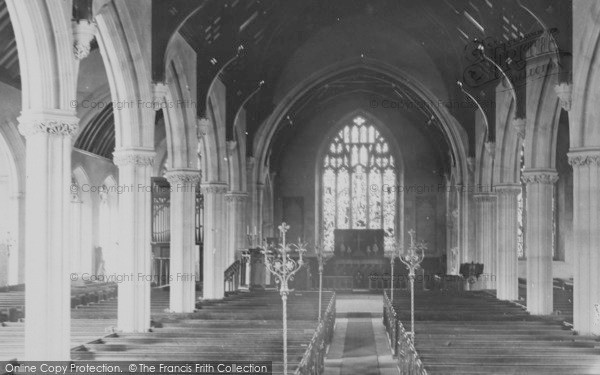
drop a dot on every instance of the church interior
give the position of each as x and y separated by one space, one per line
319 187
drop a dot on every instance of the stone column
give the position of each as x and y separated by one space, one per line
48 212
76 250
20 249
540 192
17 257
586 235
135 170
215 253
260 201
485 208
507 282
236 230
183 239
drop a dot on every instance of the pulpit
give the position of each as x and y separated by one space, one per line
258 273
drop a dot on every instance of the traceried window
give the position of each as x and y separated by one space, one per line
358 183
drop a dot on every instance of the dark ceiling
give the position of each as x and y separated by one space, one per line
9 59
272 30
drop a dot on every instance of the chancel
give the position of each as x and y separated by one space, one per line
322 187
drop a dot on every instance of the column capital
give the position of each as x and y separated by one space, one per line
537 176
134 156
202 127
490 147
183 176
236 196
484 197
83 34
214 188
584 157
564 92
159 92
520 125
50 121
508 189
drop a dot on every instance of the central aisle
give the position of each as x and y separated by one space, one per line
360 345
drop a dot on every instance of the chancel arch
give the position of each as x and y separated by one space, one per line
452 135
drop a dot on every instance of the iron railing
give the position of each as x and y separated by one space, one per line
409 362
313 361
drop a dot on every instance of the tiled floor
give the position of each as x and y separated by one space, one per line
360 345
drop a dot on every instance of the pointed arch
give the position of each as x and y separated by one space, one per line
126 59
180 106
357 150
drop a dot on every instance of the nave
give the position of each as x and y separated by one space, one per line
457 332
171 140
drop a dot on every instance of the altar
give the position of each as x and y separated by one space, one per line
357 258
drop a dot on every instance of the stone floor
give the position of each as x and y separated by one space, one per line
360 345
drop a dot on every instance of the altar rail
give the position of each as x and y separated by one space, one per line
232 276
400 341
338 282
313 361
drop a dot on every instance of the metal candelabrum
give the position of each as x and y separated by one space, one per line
413 260
322 259
284 268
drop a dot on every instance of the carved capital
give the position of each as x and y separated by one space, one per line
214 188
231 146
183 176
564 92
159 91
471 164
584 157
83 34
235 196
484 198
490 147
520 125
141 157
507 190
539 177
203 125
56 122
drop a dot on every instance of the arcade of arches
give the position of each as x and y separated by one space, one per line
142 140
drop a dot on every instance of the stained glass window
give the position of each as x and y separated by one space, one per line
358 183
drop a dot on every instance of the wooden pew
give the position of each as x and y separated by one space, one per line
474 333
242 327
